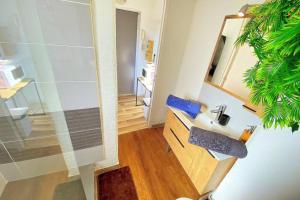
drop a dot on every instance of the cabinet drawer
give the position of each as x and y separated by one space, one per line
178 148
205 171
181 132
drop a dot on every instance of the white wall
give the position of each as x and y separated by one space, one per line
269 172
206 26
151 14
104 13
87 174
178 17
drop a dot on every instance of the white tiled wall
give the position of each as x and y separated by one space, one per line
47 21
64 22
72 64
52 40
77 95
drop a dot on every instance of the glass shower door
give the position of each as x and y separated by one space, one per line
50 123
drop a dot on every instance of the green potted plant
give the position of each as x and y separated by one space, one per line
274 34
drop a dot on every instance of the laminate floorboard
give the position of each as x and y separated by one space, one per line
157 173
130 117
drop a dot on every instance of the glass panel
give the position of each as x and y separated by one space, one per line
50 122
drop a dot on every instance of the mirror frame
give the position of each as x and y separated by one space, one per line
247 104
219 38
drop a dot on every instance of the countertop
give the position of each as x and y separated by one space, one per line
188 122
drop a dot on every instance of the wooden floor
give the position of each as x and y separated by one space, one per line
130 116
157 174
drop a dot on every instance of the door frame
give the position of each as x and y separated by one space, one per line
138 41
158 55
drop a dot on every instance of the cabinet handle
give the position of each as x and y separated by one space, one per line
176 138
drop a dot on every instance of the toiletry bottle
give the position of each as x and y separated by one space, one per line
247 133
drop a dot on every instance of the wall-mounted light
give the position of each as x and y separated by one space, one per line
243 11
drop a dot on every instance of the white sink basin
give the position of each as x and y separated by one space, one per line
206 121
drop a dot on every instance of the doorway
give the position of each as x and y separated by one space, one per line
126 33
130 116
138 31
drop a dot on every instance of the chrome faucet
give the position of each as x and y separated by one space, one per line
220 110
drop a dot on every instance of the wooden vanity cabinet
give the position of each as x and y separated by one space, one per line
205 171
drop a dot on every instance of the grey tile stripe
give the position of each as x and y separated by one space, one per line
85 132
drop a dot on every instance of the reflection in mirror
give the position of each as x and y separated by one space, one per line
230 62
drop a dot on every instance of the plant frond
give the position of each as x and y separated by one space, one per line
274 34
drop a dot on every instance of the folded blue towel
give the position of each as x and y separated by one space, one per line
217 142
191 108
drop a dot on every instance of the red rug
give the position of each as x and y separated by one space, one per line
117 185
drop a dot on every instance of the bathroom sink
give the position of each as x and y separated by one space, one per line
206 121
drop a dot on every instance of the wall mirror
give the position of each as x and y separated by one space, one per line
229 62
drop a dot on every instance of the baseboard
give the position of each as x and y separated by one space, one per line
107 169
158 125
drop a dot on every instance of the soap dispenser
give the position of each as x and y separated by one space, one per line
247 133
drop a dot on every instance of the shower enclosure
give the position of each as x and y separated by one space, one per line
50 123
